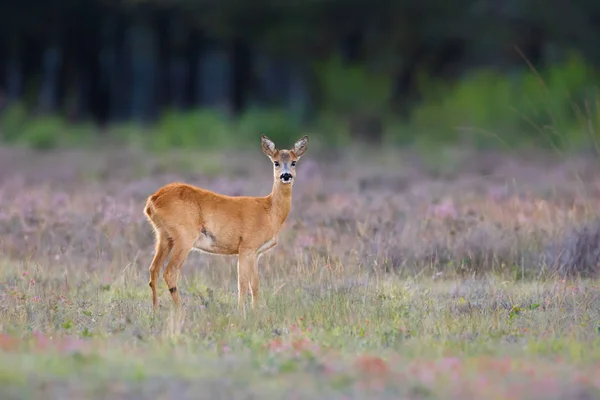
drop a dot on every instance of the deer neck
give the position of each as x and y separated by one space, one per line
281 202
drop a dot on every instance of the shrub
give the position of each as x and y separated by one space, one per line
489 108
354 94
193 129
275 123
577 253
12 121
43 132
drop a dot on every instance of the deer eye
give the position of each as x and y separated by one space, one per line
276 163
293 163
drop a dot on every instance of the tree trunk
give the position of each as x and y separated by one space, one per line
143 68
298 96
51 63
215 79
178 67
14 73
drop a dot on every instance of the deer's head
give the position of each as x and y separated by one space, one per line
284 161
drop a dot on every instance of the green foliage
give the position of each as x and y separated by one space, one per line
481 101
12 121
274 123
488 108
204 129
555 108
43 133
192 129
350 97
350 89
333 130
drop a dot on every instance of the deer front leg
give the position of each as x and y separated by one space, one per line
254 285
247 276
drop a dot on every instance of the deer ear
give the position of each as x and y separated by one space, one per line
300 146
268 147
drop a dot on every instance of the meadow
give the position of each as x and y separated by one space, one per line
461 275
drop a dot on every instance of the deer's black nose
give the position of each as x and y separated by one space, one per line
286 177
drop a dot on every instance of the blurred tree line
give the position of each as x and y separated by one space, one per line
112 61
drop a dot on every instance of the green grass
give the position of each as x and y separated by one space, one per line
308 340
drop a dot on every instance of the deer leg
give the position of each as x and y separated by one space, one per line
254 284
247 276
163 248
242 283
181 249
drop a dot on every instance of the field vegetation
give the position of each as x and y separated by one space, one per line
468 274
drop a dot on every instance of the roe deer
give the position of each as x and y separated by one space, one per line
185 218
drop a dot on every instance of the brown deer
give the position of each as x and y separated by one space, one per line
185 218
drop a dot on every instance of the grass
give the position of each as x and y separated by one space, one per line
377 337
390 281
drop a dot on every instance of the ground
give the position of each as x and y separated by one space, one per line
455 276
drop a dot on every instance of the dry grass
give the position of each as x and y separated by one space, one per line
391 279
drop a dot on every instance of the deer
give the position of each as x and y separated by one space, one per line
186 217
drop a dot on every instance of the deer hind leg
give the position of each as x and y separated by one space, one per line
181 249
247 276
164 244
